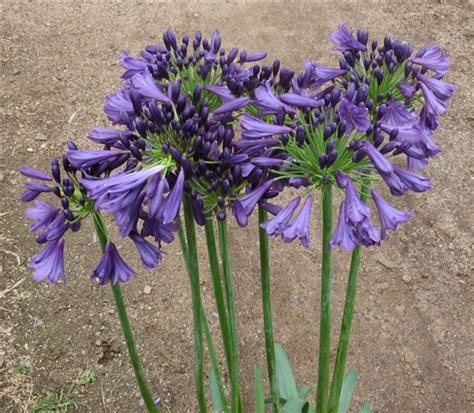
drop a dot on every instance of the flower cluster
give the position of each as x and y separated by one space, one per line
177 110
345 126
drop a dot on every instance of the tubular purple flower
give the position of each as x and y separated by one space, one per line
86 158
381 163
173 201
41 214
412 181
119 107
111 267
107 136
232 105
266 100
407 90
49 262
255 57
366 233
266 162
34 173
146 86
397 114
344 40
343 234
432 58
118 184
356 210
222 91
150 254
243 207
254 128
132 65
390 217
354 116
300 101
300 227
442 90
279 223
33 190
318 75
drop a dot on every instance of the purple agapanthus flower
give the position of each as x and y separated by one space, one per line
112 268
276 225
88 158
344 40
436 93
390 217
432 58
397 114
243 207
300 226
41 214
232 105
49 262
267 102
354 116
34 173
343 235
254 128
119 108
107 136
33 190
132 65
300 101
144 84
150 254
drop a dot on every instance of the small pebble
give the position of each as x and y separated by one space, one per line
147 289
40 136
29 150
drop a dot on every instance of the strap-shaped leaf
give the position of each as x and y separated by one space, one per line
348 386
303 391
218 405
284 375
295 405
259 394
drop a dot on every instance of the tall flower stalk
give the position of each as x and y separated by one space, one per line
150 404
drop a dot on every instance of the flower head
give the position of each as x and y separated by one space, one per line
112 268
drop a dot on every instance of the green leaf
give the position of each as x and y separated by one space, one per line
259 394
284 375
310 408
348 386
216 395
365 408
303 391
295 405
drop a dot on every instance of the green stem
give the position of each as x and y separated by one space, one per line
325 321
125 324
267 307
193 270
218 292
236 405
343 345
207 332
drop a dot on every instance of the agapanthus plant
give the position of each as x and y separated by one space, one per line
346 128
177 153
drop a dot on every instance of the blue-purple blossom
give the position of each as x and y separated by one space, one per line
432 58
112 268
300 226
390 217
344 40
107 136
88 158
243 207
268 103
34 173
232 105
144 84
119 108
254 128
276 225
41 214
354 116
49 262
343 235
150 254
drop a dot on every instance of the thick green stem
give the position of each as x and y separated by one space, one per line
193 271
325 320
236 405
218 292
343 345
125 324
267 308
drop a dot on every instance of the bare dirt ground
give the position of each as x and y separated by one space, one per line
413 334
